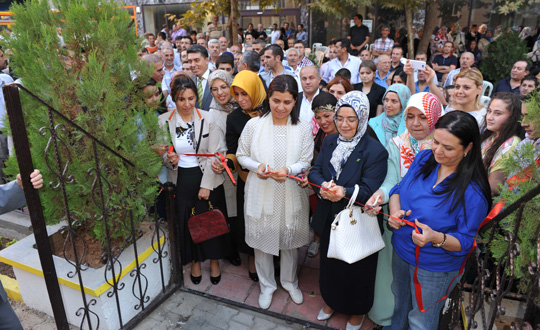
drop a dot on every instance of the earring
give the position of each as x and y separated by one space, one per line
465 155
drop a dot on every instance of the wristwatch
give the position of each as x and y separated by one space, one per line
439 245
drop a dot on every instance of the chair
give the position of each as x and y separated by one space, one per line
484 101
370 47
487 88
319 55
316 45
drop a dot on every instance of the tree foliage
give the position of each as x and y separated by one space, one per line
89 82
502 54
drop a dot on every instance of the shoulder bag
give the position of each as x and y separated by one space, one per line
354 234
207 225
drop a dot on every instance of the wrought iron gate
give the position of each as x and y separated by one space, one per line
114 271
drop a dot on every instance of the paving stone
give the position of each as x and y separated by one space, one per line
244 318
263 324
237 326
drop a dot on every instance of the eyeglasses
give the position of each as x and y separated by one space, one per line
351 121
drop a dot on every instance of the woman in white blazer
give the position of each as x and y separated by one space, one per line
193 131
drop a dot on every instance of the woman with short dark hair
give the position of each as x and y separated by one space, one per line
276 208
373 91
194 132
446 193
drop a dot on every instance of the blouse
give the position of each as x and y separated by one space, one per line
418 195
506 147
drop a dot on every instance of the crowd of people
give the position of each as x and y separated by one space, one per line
423 144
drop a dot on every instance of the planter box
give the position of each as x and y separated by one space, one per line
27 267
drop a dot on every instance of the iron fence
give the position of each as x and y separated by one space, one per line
74 242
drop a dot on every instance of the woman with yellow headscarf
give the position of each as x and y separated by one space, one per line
248 90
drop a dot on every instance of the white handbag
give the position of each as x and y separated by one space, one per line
354 234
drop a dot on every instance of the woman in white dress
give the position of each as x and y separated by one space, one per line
276 208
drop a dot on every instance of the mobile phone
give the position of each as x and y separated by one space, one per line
418 65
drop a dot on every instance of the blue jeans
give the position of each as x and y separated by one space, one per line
407 315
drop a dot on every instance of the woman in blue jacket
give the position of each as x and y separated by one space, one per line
447 194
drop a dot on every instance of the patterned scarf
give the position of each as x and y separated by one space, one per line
226 78
359 102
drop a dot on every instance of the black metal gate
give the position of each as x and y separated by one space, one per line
164 258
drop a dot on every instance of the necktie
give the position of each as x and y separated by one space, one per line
200 90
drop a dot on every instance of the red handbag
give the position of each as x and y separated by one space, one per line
207 225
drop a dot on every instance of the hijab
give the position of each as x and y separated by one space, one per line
390 125
431 107
359 102
250 82
226 77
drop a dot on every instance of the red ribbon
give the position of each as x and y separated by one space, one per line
417 286
221 159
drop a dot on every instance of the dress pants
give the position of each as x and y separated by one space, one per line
264 263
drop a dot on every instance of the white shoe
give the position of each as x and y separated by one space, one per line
296 296
323 316
265 300
355 327
313 249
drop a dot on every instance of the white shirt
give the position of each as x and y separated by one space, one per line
4 79
275 36
352 64
306 113
184 144
450 78
177 59
167 77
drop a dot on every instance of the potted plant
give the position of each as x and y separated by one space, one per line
80 57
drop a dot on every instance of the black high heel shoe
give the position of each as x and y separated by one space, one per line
195 280
215 280
235 260
253 276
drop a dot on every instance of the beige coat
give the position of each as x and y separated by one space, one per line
208 142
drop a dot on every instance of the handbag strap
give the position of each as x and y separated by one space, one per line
354 195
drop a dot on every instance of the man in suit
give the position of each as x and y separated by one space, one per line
198 60
11 198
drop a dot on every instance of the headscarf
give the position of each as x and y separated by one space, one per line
431 107
390 125
250 82
226 77
359 102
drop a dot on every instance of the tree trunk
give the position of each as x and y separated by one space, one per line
432 18
233 34
410 32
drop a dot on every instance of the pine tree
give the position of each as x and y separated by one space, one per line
89 81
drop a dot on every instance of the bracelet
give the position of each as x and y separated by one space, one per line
289 169
439 245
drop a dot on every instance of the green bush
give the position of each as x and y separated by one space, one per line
89 82
502 54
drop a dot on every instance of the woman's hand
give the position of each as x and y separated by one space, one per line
217 167
204 193
280 174
373 203
303 178
429 73
335 194
159 149
428 235
325 194
400 215
173 158
261 172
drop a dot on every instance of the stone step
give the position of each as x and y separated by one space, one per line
15 225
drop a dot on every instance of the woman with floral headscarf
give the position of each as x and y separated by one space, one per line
421 114
348 158
389 124
248 91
